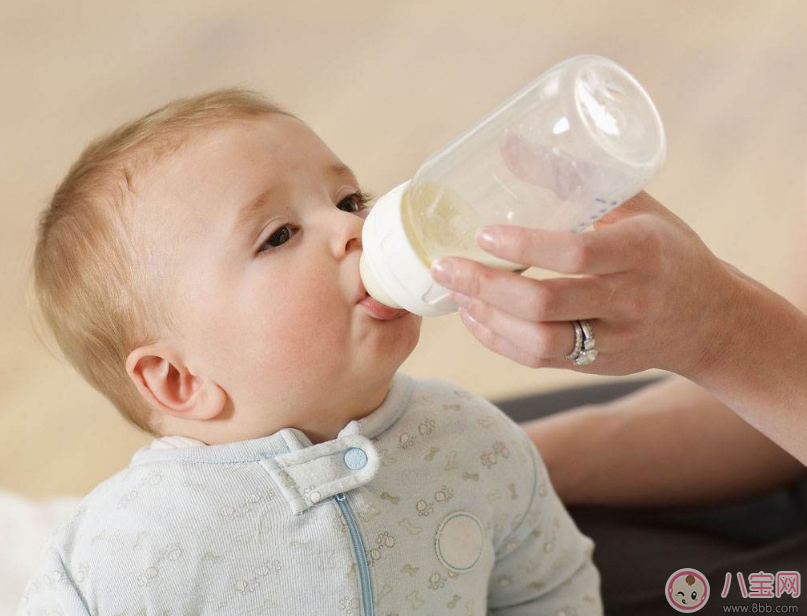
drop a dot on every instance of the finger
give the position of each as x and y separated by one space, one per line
551 299
544 340
499 344
610 249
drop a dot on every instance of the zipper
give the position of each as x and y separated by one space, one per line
361 556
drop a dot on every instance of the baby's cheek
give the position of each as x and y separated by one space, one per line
292 324
299 335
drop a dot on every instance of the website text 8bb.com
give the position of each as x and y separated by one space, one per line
760 608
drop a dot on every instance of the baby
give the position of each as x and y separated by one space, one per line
200 267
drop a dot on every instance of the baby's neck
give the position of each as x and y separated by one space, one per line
318 426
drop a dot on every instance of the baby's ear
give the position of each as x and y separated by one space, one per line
170 386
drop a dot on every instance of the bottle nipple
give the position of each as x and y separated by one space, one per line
371 285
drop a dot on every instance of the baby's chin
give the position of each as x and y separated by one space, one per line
397 340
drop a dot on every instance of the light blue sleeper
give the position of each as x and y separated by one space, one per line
434 504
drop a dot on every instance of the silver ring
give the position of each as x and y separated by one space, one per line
578 340
584 352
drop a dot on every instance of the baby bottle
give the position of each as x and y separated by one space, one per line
577 142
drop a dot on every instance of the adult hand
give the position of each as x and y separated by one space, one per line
655 295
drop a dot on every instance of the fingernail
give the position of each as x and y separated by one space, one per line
442 271
467 315
486 238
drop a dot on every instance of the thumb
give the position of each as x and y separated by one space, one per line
638 204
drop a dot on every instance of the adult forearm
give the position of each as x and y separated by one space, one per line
759 367
670 443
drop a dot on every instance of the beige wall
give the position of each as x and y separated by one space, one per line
385 84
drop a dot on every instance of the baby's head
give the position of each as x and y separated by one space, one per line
199 266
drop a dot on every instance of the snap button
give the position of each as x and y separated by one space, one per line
355 458
315 496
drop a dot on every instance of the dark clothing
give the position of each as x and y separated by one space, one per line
638 549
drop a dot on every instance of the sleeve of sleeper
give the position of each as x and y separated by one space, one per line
50 590
544 565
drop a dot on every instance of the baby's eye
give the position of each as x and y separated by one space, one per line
278 238
359 200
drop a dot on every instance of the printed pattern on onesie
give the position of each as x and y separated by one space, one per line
462 517
459 518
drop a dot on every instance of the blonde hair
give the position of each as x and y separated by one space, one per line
101 292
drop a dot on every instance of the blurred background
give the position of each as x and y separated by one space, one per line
384 84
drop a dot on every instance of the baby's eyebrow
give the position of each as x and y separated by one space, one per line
254 208
250 212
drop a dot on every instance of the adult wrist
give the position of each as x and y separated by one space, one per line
757 369
725 329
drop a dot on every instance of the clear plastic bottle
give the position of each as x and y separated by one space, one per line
574 144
